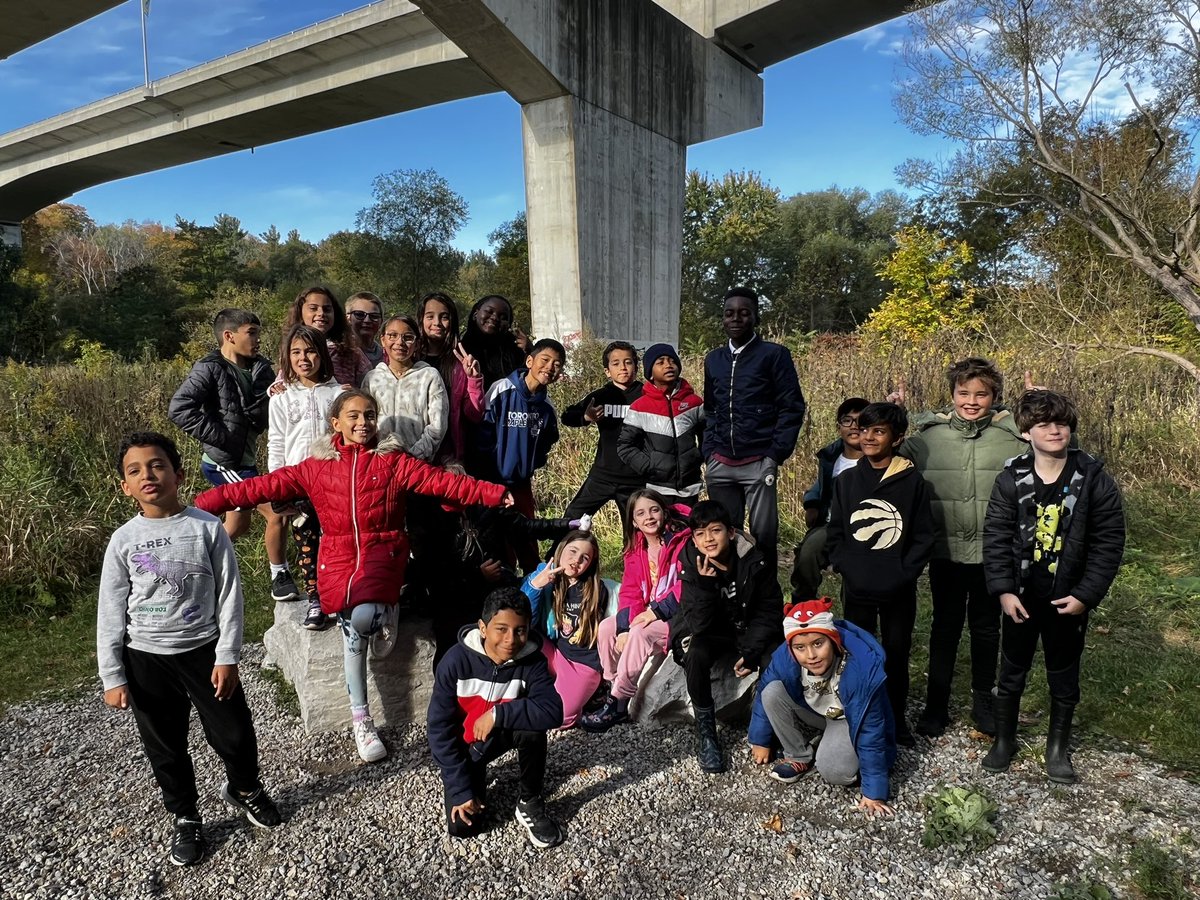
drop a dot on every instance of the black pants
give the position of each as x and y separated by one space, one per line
164 688
703 652
891 621
308 545
531 763
596 490
1062 645
960 595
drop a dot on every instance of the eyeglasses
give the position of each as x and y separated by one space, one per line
848 421
359 316
402 338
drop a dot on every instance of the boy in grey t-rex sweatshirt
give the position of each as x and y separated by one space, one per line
169 637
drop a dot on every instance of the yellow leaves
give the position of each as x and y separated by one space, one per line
929 290
775 823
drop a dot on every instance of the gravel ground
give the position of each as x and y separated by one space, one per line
80 816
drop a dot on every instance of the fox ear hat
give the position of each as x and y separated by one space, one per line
811 617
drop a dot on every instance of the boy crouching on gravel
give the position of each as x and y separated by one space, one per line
169 637
493 693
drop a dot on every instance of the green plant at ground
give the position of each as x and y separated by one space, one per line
1081 890
961 817
1158 874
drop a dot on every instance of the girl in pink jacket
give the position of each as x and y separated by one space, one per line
655 535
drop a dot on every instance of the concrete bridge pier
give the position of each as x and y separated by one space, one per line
612 92
604 203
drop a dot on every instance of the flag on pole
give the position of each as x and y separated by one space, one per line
145 7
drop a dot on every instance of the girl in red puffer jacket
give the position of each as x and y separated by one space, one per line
358 486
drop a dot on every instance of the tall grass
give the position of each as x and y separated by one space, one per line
60 425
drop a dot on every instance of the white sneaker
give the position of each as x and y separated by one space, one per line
384 640
370 747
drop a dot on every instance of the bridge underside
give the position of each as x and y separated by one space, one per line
29 23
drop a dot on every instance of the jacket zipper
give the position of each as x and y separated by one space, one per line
675 445
732 373
354 520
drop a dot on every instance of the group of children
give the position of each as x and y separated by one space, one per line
429 458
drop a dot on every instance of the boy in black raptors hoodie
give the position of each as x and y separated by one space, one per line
880 536
609 478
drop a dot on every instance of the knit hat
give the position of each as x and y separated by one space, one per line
656 351
811 617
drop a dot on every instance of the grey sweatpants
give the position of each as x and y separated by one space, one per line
749 488
836 760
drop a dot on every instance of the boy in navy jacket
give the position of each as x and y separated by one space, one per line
493 692
519 427
879 538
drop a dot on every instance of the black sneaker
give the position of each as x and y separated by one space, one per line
544 832
258 807
283 587
187 842
315 620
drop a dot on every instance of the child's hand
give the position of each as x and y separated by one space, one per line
1069 605
484 725
594 412
622 640
520 337
740 669
507 499
873 807
1030 386
1011 604
118 697
469 363
224 681
545 577
464 811
900 394
277 387
761 755
491 570
644 618
705 567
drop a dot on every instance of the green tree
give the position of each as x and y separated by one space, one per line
928 291
414 217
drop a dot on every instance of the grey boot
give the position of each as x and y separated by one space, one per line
1058 741
1005 709
708 747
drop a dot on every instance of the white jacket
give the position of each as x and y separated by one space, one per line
415 408
298 416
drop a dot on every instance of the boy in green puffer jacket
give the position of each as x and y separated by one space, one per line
960 453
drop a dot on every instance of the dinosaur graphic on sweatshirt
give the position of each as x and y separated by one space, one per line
170 572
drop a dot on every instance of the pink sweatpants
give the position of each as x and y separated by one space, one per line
624 669
574 682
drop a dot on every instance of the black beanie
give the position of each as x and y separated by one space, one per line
654 352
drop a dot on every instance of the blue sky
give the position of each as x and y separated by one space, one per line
828 121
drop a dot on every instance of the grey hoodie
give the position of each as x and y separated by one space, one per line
168 586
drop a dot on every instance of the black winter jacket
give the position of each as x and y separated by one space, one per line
753 617
880 532
1092 528
820 495
616 403
213 407
752 402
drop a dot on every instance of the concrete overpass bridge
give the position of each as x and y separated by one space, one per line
612 92
29 23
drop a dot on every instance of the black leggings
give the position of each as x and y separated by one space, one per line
892 622
960 595
308 544
1062 645
703 652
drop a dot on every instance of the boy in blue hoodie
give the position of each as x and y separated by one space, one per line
826 680
493 693
519 427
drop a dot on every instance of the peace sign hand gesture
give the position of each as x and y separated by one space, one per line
469 363
545 577
594 412
705 567
900 394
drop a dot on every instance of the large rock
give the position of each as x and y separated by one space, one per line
662 692
398 686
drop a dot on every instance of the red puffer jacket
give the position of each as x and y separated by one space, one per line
359 495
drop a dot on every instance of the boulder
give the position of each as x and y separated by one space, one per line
398 686
662 692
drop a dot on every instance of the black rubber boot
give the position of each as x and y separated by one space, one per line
708 747
1004 748
1058 743
936 716
981 711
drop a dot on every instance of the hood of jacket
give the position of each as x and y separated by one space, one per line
333 446
471 638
